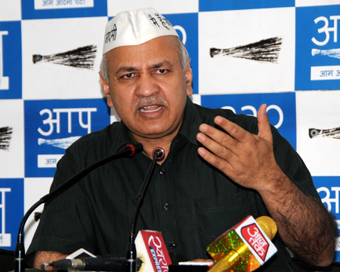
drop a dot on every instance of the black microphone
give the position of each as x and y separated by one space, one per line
19 252
91 264
131 252
159 153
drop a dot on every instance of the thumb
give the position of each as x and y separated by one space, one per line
263 124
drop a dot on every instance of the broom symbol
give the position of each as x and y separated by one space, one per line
331 133
266 50
82 57
5 137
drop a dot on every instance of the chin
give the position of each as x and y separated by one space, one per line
155 133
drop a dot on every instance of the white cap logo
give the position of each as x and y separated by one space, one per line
136 27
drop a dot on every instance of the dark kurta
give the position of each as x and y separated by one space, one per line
188 200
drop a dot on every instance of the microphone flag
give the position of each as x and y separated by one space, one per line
244 247
151 248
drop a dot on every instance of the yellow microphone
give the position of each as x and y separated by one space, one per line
244 247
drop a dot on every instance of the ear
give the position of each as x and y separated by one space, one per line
188 78
106 90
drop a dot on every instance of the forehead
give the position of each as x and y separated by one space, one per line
155 50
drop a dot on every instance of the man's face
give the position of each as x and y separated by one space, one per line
148 87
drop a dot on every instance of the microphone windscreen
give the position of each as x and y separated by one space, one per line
152 250
138 147
268 225
159 153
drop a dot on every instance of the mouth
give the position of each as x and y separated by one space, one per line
150 109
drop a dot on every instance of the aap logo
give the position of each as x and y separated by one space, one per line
40 9
317 48
54 126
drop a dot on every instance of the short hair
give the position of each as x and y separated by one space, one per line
104 70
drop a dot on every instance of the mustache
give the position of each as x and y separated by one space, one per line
145 101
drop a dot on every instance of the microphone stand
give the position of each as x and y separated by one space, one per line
19 252
131 254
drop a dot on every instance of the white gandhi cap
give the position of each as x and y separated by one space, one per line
136 27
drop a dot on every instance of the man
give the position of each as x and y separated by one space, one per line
218 167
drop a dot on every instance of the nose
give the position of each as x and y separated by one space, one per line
146 86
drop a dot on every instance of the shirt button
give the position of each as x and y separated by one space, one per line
172 245
161 172
166 206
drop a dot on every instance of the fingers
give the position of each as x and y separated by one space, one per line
238 153
215 140
215 161
220 142
222 145
213 146
234 132
263 124
223 148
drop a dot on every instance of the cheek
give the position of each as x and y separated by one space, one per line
179 94
122 101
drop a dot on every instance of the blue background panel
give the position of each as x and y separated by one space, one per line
282 112
11 62
329 188
214 5
190 24
315 41
12 206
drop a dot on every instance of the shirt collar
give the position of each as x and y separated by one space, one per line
121 136
191 122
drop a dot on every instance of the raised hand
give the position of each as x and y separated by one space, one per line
246 158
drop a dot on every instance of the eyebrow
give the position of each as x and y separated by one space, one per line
153 66
159 65
126 69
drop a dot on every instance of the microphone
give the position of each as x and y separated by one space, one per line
152 250
244 247
159 153
91 264
19 252
131 252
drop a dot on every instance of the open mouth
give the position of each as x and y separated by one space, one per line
149 109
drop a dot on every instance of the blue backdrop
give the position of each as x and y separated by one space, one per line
47 104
